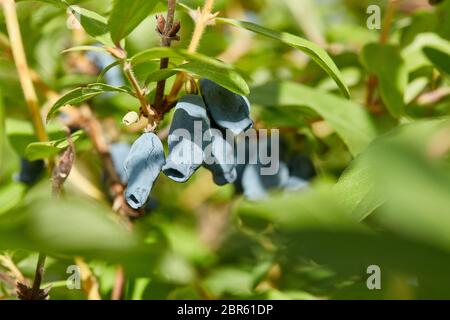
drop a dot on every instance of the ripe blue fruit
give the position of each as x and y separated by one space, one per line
186 144
119 152
30 171
228 110
142 166
257 186
301 170
220 160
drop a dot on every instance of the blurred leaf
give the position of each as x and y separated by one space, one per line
357 188
199 65
127 15
185 242
350 120
10 196
386 63
94 24
231 281
45 150
316 53
415 88
427 49
440 58
21 133
417 190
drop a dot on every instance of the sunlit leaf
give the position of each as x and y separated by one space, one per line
316 53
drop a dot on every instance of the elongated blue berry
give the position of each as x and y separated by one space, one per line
219 159
119 153
186 143
143 165
228 110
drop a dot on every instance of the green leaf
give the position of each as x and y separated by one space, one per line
440 58
10 196
80 95
20 134
127 15
198 65
427 49
319 55
44 150
386 62
94 24
357 188
350 120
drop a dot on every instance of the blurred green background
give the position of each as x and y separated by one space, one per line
381 196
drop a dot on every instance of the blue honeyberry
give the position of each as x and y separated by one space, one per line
257 186
253 181
301 170
186 144
220 160
30 171
228 110
102 60
119 152
143 166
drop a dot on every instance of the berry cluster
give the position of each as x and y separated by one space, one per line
197 137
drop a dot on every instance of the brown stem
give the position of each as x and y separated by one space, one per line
38 275
165 42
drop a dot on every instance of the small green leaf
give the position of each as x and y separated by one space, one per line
198 65
386 62
127 15
73 97
80 95
319 55
44 150
350 120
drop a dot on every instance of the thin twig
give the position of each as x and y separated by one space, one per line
38 275
200 27
165 42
